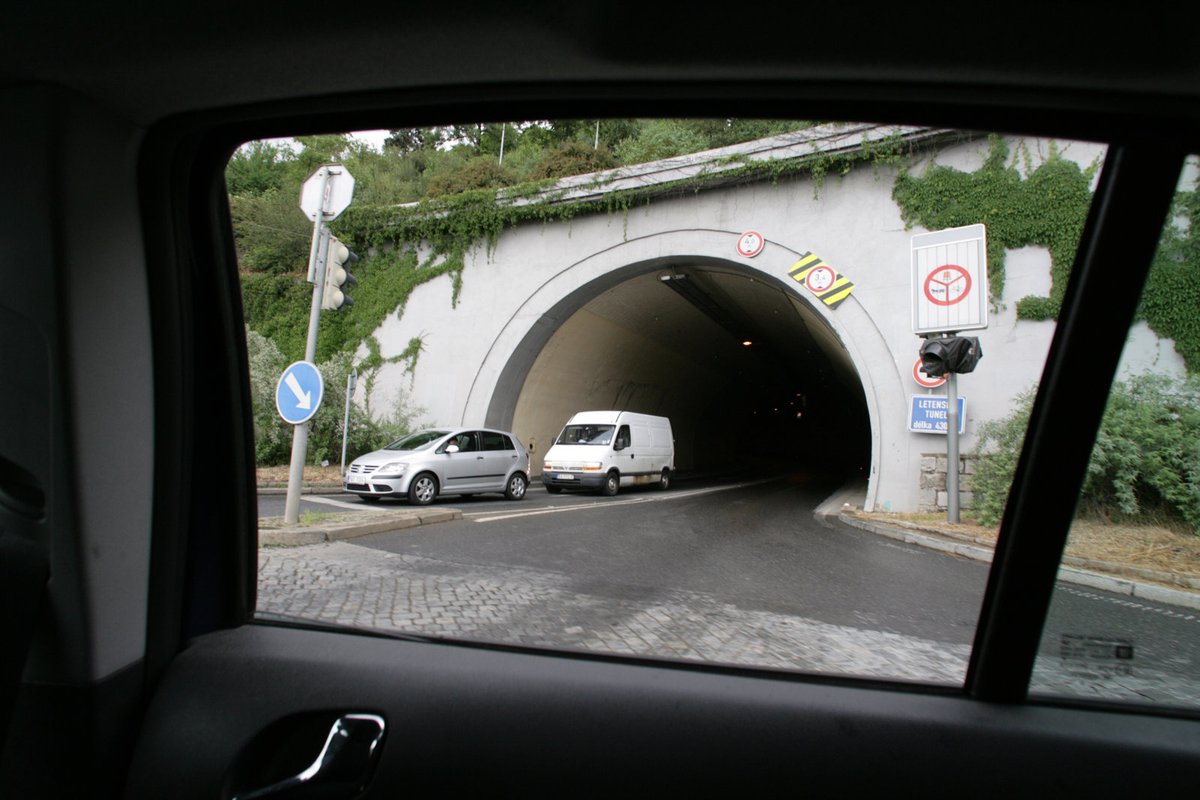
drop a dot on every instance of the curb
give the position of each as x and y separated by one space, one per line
1070 574
365 522
308 488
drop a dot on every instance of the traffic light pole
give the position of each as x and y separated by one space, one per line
316 270
952 448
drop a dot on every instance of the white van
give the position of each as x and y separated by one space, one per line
606 450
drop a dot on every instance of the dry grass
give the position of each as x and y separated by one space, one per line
1150 547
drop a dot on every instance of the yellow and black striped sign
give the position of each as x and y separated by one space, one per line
821 279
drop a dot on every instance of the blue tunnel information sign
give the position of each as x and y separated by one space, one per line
929 413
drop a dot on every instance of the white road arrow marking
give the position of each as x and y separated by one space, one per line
303 398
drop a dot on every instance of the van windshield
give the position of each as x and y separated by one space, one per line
586 434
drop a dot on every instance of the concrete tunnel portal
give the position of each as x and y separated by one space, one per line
750 375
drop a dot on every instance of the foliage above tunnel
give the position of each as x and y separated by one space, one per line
406 245
1044 205
1047 205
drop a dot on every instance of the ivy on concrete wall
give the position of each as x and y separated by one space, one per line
1047 205
1171 297
403 247
1043 205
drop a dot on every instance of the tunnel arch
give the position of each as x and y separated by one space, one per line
843 347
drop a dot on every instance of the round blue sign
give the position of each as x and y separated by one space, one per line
299 392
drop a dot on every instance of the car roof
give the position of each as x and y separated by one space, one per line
152 62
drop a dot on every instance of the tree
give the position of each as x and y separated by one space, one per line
258 167
660 139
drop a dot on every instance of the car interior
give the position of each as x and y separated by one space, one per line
133 664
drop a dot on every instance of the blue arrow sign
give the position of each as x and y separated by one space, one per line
299 392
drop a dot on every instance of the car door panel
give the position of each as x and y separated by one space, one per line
474 719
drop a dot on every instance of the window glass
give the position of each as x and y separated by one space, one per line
416 441
759 291
623 437
1125 619
495 441
586 434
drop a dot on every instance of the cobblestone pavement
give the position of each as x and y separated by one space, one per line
345 584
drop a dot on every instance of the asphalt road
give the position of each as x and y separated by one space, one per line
756 546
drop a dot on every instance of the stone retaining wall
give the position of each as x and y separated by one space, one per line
933 496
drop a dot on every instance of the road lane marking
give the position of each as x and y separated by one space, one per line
329 501
673 495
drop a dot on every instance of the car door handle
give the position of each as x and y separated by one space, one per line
479 458
343 767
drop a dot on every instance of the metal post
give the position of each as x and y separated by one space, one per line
952 448
316 268
351 380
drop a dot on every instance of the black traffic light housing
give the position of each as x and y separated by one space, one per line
958 354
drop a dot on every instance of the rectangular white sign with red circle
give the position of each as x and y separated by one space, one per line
949 280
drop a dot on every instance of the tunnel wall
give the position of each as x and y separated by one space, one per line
516 297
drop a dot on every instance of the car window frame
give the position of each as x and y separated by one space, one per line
1139 177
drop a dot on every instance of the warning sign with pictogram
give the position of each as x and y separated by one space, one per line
750 244
949 280
821 279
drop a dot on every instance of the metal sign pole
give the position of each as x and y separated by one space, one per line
316 270
351 380
952 448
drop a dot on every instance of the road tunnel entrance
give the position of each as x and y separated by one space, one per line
752 378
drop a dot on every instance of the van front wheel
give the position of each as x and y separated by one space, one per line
612 484
664 482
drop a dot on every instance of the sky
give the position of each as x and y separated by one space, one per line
374 138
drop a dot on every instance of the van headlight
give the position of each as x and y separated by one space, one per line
391 470
592 466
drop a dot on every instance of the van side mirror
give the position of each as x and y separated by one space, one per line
619 446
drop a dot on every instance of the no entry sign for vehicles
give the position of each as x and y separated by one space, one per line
949 280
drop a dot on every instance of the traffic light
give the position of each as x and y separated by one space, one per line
338 277
958 354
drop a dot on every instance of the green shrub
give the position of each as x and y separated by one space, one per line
1145 463
273 436
999 447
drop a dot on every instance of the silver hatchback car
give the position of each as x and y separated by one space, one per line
429 463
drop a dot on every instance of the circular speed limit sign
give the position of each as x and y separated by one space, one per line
819 279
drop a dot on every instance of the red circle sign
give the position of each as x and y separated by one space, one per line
927 381
819 279
947 285
750 244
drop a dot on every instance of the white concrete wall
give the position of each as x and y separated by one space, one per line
852 223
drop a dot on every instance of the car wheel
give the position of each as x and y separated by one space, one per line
664 482
369 498
516 487
553 489
612 484
422 490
